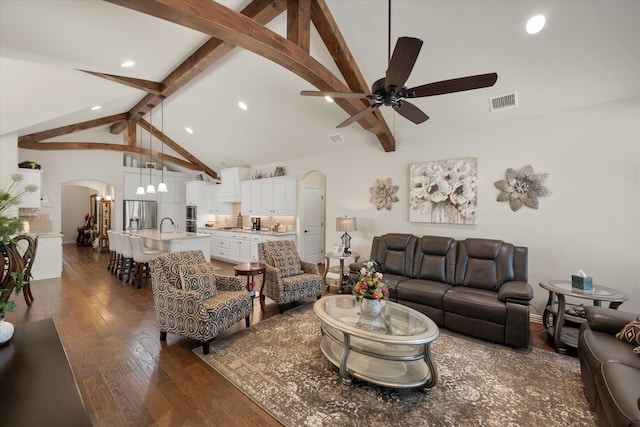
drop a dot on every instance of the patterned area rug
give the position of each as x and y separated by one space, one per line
279 365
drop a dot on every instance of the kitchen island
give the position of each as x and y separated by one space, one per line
175 241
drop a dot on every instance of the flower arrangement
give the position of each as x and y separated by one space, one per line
10 226
370 286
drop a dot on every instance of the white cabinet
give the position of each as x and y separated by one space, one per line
214 205
237 247
132 182
30 177
279 195
269 196
251 197
196 195
172 204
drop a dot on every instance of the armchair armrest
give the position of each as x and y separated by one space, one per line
229 283
309 267
608 320
519 292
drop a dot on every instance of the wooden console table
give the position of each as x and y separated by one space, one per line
37 381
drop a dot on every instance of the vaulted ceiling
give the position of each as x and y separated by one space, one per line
587 54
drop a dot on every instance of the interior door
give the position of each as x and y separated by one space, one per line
313 224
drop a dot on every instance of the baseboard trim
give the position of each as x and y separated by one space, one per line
535 318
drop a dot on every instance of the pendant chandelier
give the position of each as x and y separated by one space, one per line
150 188
140 190
162 187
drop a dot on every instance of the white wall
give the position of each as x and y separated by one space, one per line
8 157
590 222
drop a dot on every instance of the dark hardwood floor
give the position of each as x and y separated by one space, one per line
126 376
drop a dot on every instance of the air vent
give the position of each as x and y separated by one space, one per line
505 101
336 139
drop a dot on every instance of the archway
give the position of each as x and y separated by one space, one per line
78 198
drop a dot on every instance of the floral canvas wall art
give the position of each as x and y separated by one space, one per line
444 191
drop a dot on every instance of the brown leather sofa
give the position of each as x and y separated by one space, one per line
477 287
610 370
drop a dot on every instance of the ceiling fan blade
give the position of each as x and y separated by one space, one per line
334 94
453 85
402 61
358 115
411 112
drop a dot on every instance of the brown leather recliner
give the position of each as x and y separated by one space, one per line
610 370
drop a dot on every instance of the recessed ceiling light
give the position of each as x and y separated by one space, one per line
242 106
328 99
97 107
535 24
189 130
127 64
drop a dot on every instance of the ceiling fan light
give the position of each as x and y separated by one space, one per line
140 191
151 189
162 188
535 24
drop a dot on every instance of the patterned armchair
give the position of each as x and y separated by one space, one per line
287 278
194 302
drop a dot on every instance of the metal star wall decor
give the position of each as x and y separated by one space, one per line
522 187
383 194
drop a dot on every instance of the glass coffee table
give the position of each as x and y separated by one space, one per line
390 350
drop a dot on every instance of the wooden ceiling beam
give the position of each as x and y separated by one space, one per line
262 11
65 130
177 148
299 23
234 28
145 85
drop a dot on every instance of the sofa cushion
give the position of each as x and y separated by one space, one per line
200 278
288 262
435 259
631 332
475 303
426 292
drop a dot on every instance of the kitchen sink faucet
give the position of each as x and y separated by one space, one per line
162 222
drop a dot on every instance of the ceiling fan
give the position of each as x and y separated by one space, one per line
391 90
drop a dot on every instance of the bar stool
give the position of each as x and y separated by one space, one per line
127 258
112 250
141 258
114 239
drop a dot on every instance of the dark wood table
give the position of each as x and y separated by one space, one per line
558 322
251 270
37 383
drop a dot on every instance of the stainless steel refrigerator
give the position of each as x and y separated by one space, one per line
140 214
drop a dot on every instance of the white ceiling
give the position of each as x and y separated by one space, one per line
588 53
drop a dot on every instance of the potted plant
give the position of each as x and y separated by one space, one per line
12 275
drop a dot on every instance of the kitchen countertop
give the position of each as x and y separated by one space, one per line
239 230
167 235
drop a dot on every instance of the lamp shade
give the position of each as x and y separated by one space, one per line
162 188
140 190
346 224
151 189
